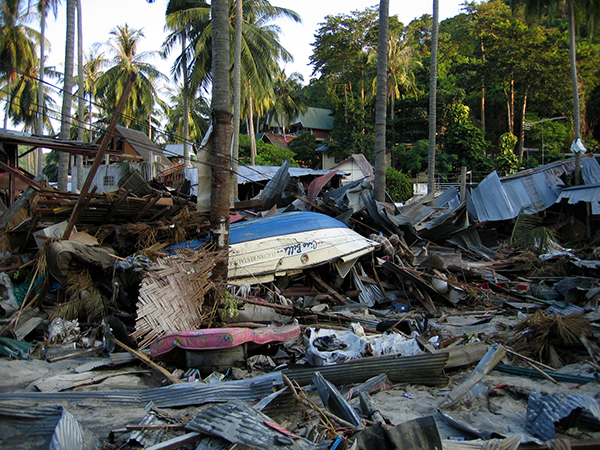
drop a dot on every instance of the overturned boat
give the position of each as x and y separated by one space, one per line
264 248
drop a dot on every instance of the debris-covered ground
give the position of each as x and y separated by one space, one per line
345 323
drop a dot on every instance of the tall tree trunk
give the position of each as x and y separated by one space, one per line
186 104
237 93
483 89
222 131
522 127
251 128
81 99
65 122
7 101
40 108
433 98
381 101
575 85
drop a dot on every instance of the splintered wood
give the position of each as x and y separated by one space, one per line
172 295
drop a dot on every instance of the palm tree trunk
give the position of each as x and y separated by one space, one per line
65 123
222 131
40 107
237 93
251 127
482 89
7 102
433 98
81 98
186 104
381 101
575 84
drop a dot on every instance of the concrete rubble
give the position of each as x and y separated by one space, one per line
468 320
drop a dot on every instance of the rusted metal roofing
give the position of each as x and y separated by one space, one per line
498 198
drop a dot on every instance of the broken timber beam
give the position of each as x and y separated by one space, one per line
147 360
19 204
339 299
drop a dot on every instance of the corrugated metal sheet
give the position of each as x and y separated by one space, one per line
420 369
255 174
68 434
497 199
240 424
544 410
148 437
188 394
576 194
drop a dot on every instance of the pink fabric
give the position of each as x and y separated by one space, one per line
220 338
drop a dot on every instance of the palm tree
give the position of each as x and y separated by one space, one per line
65 115
180 70
198 114
260 49
44 7
585 8
87 87
25 101
124 44
402 61
221 148
287 102
17 48
433 98
381 100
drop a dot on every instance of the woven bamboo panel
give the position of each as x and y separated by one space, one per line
172 295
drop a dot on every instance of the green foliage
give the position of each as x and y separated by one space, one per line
230 309
465 141
353 129
267 154
529 234
507 162
51 167
398 185
304 146
412 159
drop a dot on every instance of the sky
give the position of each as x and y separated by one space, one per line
102 16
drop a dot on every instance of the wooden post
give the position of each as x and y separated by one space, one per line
99 156
463 183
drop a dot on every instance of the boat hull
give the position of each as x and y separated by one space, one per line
262 249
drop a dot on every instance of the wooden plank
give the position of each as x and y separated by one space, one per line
21 176
339 299
147 360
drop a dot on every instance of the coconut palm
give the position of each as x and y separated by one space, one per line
260 49
65 114
433 98
287 102
25 100
381 101
17 46
123 44
585 8
198 114
44 7
87 88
